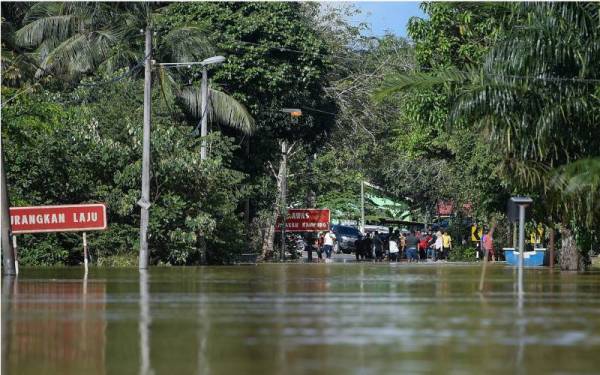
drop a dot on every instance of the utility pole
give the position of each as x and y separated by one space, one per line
144 202
8 255
362 206
283 197
203 108
294 113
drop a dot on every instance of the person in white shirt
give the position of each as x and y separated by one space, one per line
394 249
328 244
438 245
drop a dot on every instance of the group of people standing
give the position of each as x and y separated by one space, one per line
413 246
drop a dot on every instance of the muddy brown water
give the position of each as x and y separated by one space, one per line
300 319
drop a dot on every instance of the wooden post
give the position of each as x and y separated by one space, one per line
85 253
14 241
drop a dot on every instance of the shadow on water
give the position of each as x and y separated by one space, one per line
296 318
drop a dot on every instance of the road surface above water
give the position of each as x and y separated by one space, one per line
352 318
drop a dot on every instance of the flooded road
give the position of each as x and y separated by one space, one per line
300 318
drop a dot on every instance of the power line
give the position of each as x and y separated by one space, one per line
550 79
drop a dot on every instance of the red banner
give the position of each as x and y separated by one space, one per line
445 208
64 218
305 220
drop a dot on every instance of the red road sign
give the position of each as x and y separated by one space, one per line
64 218
305 220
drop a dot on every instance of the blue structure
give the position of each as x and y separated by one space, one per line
531 258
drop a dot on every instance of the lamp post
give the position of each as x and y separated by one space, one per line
522 202
204 91
214 60
294 114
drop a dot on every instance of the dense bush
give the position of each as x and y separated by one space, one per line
86 147
462 254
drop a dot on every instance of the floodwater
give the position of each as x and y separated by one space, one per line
300 319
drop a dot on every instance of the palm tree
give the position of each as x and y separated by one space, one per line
537 96
72 39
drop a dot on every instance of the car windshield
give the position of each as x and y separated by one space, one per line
348 231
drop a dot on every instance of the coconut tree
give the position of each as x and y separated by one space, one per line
537 98
72 39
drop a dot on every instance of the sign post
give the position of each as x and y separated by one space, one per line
522 202
85 253
62 218
15 252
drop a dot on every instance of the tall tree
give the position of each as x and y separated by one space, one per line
539 107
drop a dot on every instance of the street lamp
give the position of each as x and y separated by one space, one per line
295 113
522 202
204 107
214 60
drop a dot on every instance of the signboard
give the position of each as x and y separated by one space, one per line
444 208
305 220
64 218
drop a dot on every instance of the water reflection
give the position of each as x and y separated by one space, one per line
53 327
280 319
144 325
8 283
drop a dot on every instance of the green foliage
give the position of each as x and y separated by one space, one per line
462 254
439 157
88 150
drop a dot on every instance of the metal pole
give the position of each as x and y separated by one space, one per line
144 215
362 206
8 255
521 246
16 254
85 253
283 197
204 114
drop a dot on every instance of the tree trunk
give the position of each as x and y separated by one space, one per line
269 238
569 254
8 254
247 200
551 246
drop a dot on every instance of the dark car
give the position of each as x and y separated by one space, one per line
346 237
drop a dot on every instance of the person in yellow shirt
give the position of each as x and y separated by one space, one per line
446 245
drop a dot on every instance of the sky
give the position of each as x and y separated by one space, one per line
385 16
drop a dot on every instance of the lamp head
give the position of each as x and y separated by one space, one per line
521 200
213 60
294 112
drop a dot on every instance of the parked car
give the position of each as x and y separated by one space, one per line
346 237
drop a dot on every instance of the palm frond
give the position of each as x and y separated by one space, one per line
169 88
186 43
221 108
226 110
34 33
579 176
420 80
